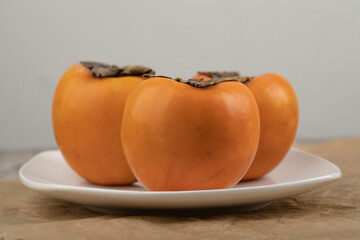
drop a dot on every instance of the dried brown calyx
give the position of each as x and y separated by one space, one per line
201 83
227 76
216 77
218 74
103 70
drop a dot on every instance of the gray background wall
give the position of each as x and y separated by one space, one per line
314 44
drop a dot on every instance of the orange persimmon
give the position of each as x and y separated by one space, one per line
179 135
87 112
279 115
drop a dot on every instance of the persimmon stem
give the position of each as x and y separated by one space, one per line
103 70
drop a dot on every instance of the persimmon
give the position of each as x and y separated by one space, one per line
279 115
190 135
87 112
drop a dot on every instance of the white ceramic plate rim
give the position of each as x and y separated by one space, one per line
248 196
55 186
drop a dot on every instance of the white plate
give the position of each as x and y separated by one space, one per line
299 172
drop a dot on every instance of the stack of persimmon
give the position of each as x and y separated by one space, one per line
117 125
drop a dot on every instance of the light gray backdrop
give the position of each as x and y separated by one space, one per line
314 44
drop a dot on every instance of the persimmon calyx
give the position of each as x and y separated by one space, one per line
225 76
216 77
103 70
217 74
200 83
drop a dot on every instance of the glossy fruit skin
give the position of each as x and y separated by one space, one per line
87 114
279 116
178 137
